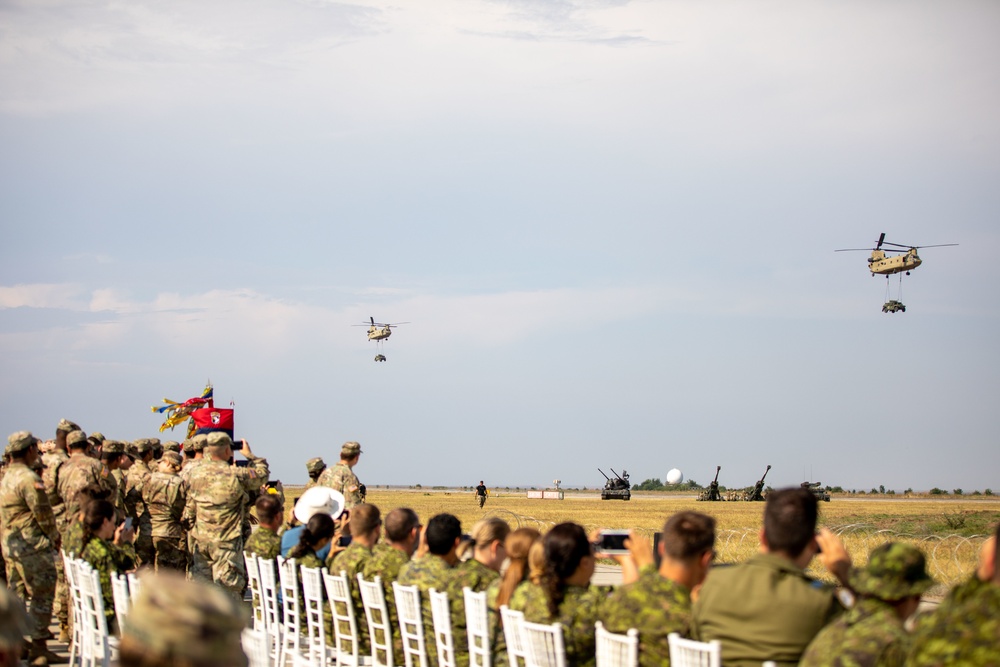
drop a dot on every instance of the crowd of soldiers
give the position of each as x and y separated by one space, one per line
191 516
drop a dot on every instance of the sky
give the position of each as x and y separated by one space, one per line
609 225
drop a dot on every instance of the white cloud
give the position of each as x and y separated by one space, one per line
41 295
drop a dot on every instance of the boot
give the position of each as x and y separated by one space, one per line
41 656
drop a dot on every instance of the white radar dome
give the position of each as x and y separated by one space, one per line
675 476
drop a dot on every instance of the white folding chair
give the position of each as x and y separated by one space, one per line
691 653
615 650
544 645
272 609
377 614
441 619
71 568
312 599
292 642
345 625
120 594
98 647
257 647
134 585
253 581
513 635
477 623
411 625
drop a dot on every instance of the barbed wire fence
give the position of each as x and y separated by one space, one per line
950 558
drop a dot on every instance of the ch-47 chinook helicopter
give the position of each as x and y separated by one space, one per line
887 265
378 332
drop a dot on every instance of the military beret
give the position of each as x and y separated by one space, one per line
172 446
172 458
185 621
20 441
315 464
219 439
75 438
112 447
199 441
66 426
895 570
350 449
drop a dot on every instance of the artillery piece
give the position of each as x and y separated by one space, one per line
712 492
816 488
618 488
757 493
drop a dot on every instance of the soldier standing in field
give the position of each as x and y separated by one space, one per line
341 477
112 453
165 496
217 496
30 538
481 492
53 462
79 472
135 507
315 468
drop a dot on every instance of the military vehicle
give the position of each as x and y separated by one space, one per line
757 492
618 488
893 306
816 489
712 492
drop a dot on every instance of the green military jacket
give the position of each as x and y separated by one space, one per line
265 543
869 634
473 575
963 630
425 573
352 561
385 563
580 610
107 559
653 605
763 609
25 513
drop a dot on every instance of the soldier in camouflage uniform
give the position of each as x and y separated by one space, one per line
365 527
434 569
107 557
315 468
112 452
265 541
53 462
217 494
194 456
402 531
965 628
165 495
135 506
871 632
180 622
29 538
341 477
659 602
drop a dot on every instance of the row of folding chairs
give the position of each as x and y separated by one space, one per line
91 644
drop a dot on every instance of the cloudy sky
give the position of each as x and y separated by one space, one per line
610 226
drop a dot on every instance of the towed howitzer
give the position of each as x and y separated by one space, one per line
616 489
712 492
758 489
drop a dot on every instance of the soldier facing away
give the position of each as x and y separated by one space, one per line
341 477
165 495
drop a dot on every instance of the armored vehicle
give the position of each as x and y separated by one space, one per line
816 489
712 492
893 306
618 488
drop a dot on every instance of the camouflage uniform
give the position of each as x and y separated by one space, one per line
653 605
216 502
352 561
964 630
108 558
473 575
265 543
426 573
165 496
872 632
73 536
136 507
29 537
497 640
309 559
53 462
341 478
314 466
77 473
386 562
579 611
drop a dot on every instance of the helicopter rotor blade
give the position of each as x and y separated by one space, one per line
881 238
855 249
939 245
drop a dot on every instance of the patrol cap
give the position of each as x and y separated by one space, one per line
13 620
142 446
895 571
188 445
173 458
20 441
154 443
97 438
66 426
182 621
350 449
112 447
319 499
172 446
199 441
315 464
76 438
219 439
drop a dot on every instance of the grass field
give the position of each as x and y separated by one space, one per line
949 531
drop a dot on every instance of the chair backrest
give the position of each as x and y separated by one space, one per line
312 601
253 581
477 623
615 650
377 614
289 586
441 619
411 626
97 649
544 645
345 626
691 653
123 603
134 585
272 608
71 569
513 635
257 647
